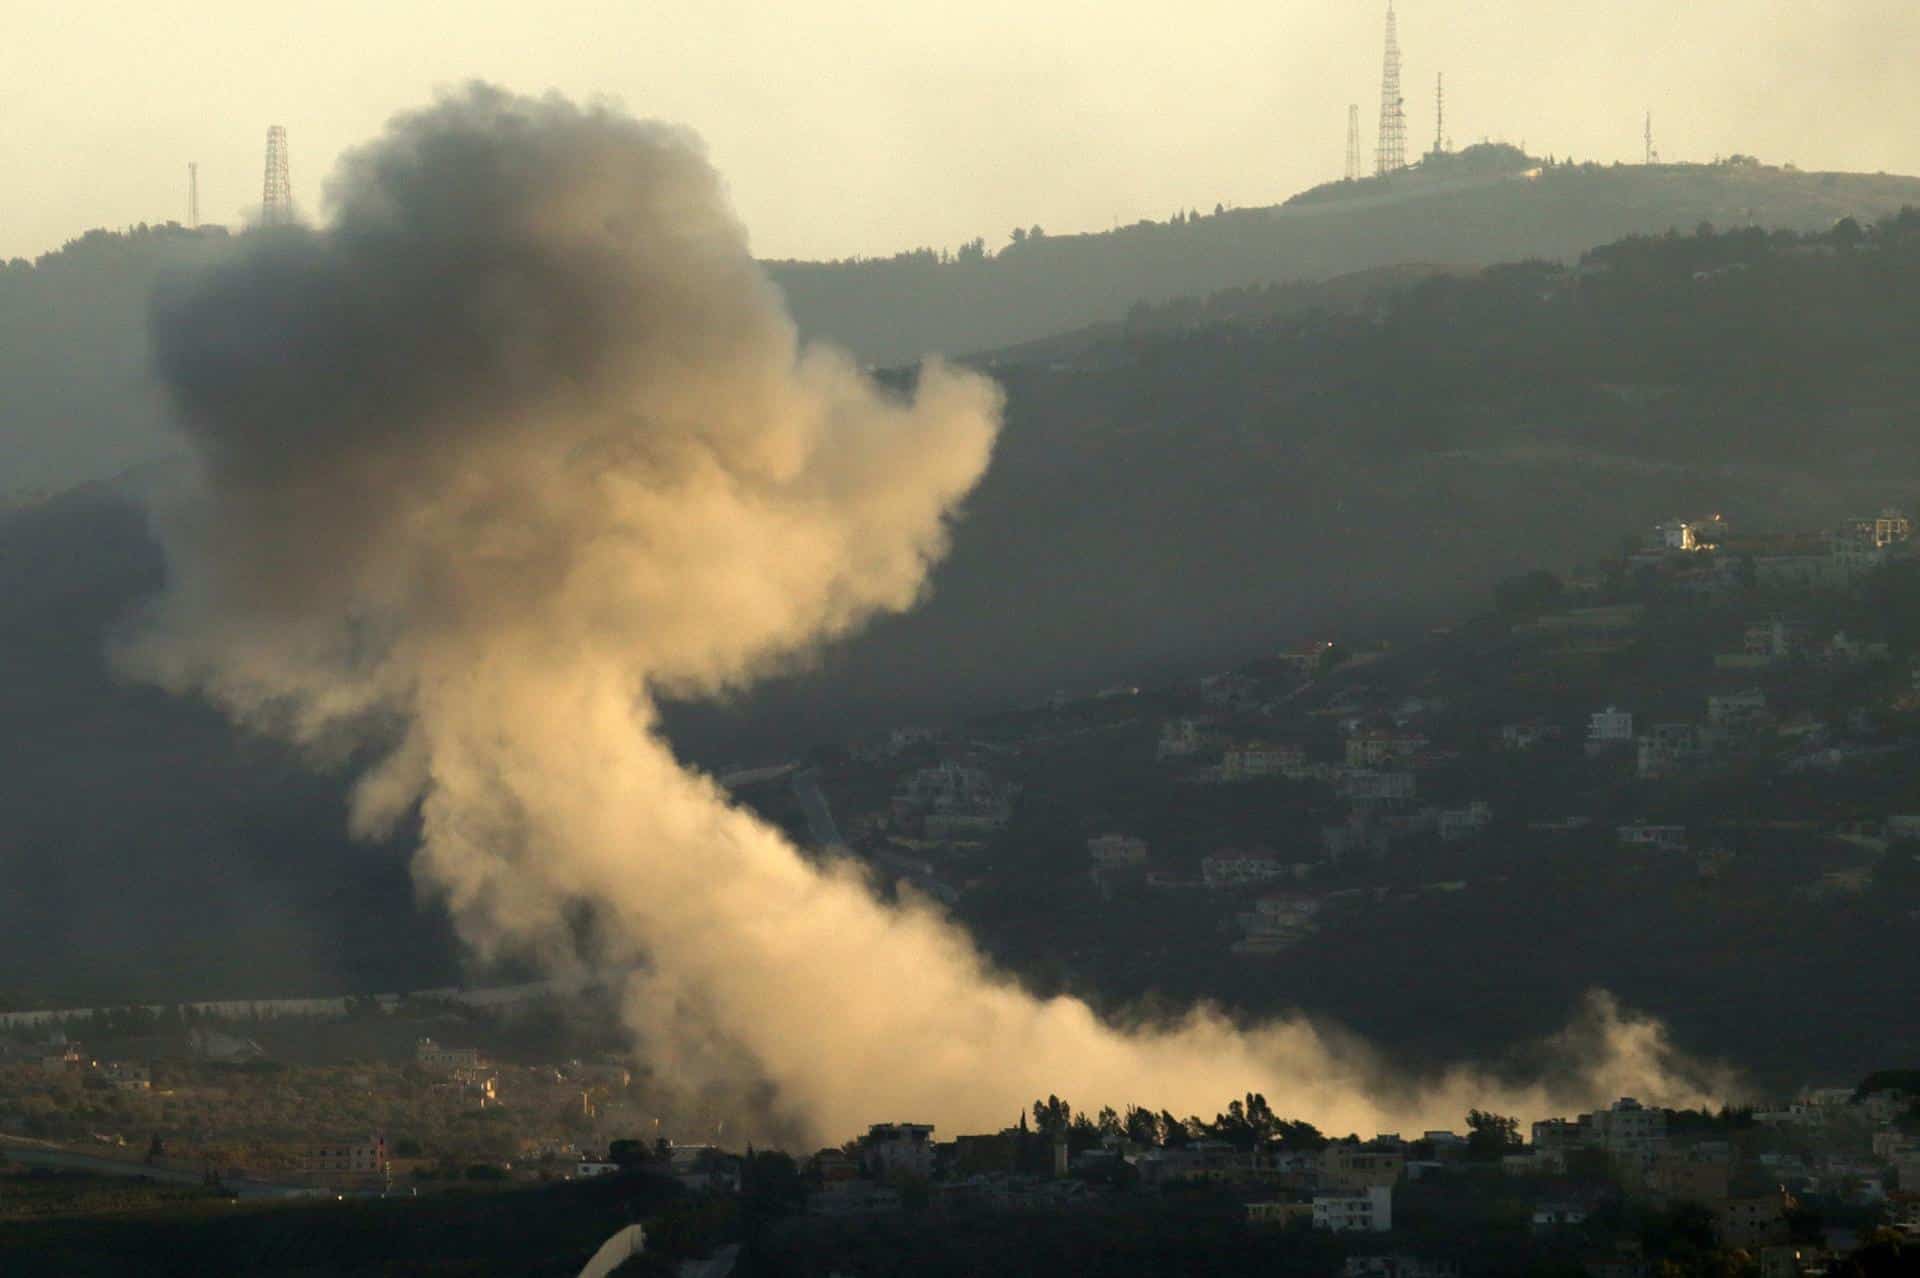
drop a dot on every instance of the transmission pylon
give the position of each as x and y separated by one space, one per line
193 196
1391 155
1353 142
276 194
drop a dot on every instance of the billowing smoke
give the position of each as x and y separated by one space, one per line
524 440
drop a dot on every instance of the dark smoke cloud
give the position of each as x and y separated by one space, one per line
524 439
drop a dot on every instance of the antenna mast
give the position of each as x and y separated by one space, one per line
1440 115
1353 142
193 196
1391 156
1652 156
276 194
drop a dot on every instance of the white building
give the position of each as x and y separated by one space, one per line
1368 1210
1608 728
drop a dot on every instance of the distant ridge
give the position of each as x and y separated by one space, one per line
1484 205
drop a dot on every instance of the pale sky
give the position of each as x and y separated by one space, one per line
856 126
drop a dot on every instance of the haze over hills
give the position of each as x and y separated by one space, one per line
1165 499
1484 205
80 403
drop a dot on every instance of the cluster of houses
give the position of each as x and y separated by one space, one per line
1849 1149
1710 557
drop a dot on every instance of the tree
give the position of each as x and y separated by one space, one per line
1052 1116
1018 235
1490 1135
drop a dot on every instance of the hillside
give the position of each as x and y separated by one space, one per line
1172 501
1484 206
76 403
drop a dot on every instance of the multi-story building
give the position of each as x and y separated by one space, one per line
348 1158
898 1149
1368 1210
1355 1167
1609 729
1630 1132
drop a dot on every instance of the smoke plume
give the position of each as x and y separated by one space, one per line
525 439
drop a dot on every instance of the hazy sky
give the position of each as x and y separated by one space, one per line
860 126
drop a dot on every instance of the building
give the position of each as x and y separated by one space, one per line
1241 869
1686 1177
1377 787
1656 838
431 1055
1398 1266
1257 761
1609 729
1777 640
1179 739
1630 1132
1369 1210
348 1158
1670 748
898 1149
1356 1167
1736 709
1376 747
1876 532
1470 822
854 1198
1754 1222
1279 1213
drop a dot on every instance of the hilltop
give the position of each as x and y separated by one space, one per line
1485 205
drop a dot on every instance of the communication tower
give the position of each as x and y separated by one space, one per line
1391 156
1353 142
276 195
1440 115
193 196
1652 154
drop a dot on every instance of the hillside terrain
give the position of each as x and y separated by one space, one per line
1176 498
1486 205
79 405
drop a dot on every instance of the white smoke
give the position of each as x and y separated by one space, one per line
526 439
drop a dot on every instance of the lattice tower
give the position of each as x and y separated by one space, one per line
1391 155
276 194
